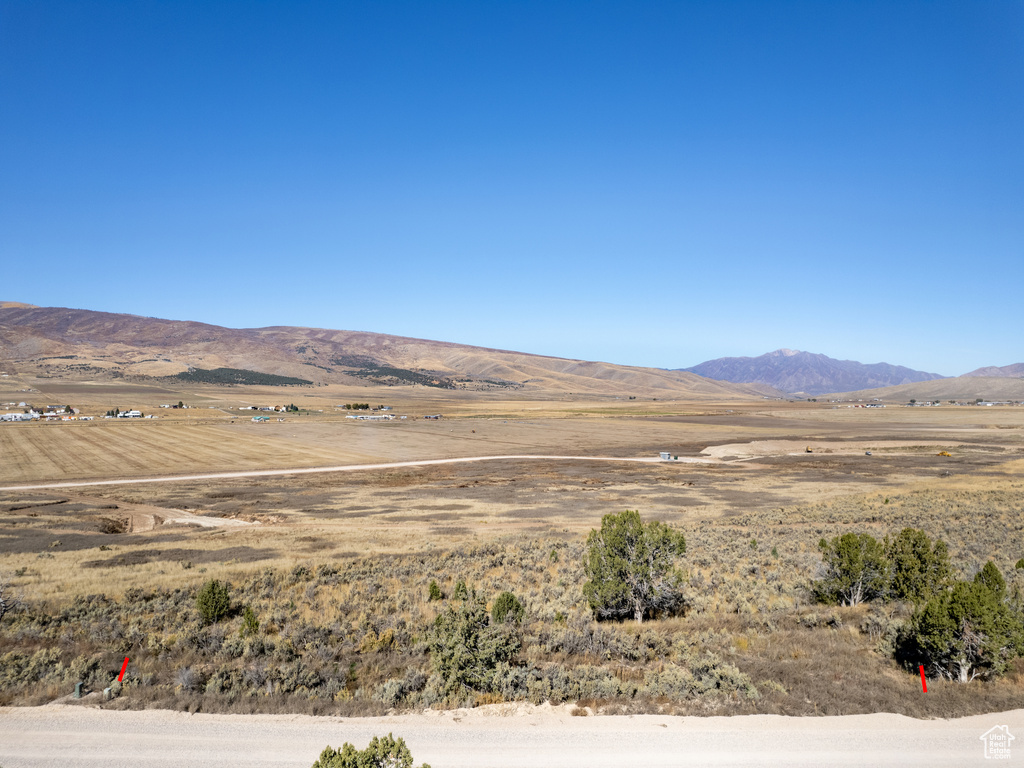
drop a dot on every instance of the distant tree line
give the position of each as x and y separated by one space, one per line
239 376
365 368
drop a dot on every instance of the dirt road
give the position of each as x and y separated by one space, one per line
45 737
342 468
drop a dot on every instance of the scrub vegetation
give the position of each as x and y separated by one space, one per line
752 578
511 620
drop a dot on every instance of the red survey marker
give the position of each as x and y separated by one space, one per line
920 666
125 666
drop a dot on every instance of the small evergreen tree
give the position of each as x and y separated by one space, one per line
963 634
507 608
250 624
435 592
919 569
213 601
855 569
632 567
465 648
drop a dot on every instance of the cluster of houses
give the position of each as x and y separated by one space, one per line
18 416
934 403
386 416
875 403
48 412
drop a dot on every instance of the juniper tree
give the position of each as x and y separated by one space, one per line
990 576
213 601
507 608
855 569
919 568
466 647
965 633
632 567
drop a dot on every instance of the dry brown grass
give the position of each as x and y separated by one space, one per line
516 525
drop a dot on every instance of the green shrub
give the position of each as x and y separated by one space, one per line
435 591
461 591
250 624
387 752
465 648
213 601
507 608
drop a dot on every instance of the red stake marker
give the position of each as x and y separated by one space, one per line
125 666
920 666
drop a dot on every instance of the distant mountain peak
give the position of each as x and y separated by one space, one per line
791 370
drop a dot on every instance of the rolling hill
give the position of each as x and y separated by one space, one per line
1014 371
85 345
961 388
808 373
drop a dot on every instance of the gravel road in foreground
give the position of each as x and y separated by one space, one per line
59 736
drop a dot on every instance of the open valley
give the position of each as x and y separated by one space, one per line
332 531
511 385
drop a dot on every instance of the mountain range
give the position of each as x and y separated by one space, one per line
808 373
61 343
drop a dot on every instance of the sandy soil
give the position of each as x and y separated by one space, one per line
499 736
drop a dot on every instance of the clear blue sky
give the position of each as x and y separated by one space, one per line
645 183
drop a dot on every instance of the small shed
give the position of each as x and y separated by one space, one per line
666 456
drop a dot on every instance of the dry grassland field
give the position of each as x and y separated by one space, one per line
108 534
